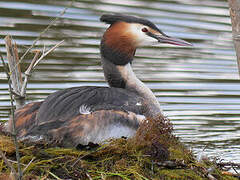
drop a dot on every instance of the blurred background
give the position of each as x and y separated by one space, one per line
198 87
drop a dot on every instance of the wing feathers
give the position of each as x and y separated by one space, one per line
66 104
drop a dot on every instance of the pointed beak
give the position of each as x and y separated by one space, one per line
171 40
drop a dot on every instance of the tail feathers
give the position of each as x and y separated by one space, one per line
25 118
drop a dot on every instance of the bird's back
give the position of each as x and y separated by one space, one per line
81 115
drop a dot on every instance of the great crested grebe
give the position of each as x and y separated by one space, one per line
80 115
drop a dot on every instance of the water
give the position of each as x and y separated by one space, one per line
198 87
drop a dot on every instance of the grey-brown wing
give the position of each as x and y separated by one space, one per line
66 104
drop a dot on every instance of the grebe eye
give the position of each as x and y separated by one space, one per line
144 29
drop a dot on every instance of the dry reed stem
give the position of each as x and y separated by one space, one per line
9 165
15 73
28 74
45 54
14 135
28 164
20 88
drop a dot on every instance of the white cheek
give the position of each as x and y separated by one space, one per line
145 40
141 37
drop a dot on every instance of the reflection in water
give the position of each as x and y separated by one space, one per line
198 87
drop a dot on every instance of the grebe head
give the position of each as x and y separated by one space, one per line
126 33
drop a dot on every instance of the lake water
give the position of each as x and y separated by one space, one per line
198 87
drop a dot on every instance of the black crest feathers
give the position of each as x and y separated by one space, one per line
113 18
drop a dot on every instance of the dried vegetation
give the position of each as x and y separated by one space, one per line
153 153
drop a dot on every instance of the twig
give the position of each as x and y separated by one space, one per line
33 64
5 67
15 73
170 164
45 54
7 74
15 162
89 177
208 172
102 176
28 164
54 175
79 159
211 177
9 164
222 164
235 170
14 131
14 135
232 165
45 30
20 94
28 73
22 88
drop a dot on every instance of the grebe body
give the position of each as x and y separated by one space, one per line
81 115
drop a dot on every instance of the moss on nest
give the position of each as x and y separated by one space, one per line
154 153
6 144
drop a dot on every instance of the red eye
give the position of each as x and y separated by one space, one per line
144 29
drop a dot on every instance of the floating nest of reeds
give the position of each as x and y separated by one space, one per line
153 153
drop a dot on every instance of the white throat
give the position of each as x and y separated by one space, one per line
134 84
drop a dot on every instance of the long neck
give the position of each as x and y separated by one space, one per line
122 76
117 51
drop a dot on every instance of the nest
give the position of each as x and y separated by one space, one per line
153 153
